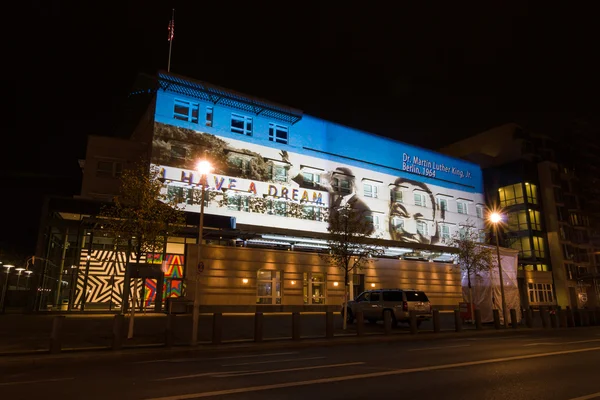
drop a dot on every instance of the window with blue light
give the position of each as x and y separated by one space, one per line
241 124
186 111
278 133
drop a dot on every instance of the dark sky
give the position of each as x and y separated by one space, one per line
426 74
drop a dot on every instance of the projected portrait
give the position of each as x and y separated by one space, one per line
413 215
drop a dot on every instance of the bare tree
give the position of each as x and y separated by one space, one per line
141 215
472 257
350 244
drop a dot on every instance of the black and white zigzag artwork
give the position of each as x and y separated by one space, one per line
106 276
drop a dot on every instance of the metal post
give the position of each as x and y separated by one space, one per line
295 326
329 324
117 332
87 272
513 318
413 322
217 328
457 321
501 278
56 334
360 323
478 325
496 319
170 330
258 327
436 321
529 317
196 309
4 289
387 323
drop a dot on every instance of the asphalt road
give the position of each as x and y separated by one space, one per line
555 364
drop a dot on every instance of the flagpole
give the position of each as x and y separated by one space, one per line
172 28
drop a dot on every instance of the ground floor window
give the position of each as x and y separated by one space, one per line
314 288
540 293
268 287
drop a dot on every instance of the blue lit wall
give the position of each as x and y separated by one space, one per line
319 138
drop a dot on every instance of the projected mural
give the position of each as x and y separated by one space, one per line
266 186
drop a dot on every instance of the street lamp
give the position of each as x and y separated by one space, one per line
19 270
496 218
203 167
7 268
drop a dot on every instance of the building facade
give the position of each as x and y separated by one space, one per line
278 174
550 214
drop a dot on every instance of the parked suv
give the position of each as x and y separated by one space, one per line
398 302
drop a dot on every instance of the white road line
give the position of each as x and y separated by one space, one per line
589 396
212 373
254 355
439 348
562 343
231 374
495 338
365 376
273 361
38 381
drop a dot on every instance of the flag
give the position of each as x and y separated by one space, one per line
171 29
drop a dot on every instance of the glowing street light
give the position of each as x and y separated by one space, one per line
203 167
496 218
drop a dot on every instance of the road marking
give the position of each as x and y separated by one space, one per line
589 396
272 361
495 338
212 373
231 374
561 343
253 355
438 348
176 360
38 381
365 376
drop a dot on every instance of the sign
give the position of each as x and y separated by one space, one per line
200 266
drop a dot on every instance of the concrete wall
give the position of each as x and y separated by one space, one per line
221 282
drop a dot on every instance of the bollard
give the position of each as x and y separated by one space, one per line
553 318
56 334
544 316
412 315
478 325
562 317
329 324
597 313
457 321
570 320
529 317
117 332
295 325
576 317
360 323
592 318
436 321
217 328
170 330
258 327
387 322
496 319
584 317
513 318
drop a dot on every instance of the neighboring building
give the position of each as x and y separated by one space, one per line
551 214
278 174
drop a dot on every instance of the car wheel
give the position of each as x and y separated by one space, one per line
349 316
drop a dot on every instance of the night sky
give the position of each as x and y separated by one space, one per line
427 75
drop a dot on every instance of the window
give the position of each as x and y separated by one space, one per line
240 165
178 152
442 204
373 220
397 195
538 247
186 111
109 169
462 233
511 195
312 213
279 208
209 116
238 203
523 244
398 224
278 133
461 207
479 211
279 173
311 178
420 199
445 232
375 297
314 288
531 191
534 218
241 124
342 185
370 190
517 221
268 287
422 228
540 293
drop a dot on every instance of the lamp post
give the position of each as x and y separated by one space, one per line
495 219
7 267
19 270
203 167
